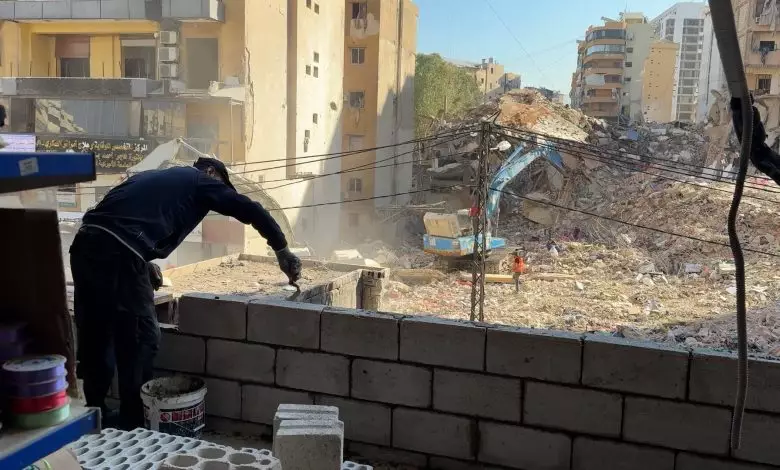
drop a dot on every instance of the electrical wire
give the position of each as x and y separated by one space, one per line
612 152
461 131
631 165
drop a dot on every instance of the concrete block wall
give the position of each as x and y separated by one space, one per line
450 395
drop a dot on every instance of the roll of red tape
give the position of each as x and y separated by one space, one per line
21 406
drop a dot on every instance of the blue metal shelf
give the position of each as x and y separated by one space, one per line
21 171
20 448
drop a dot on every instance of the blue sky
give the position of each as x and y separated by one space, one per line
547 29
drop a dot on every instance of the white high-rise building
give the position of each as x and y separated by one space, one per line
683 23
712 75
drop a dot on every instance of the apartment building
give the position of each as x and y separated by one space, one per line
379 46
757 28
639 36
121 77
712 76
683 23
597 85
658 81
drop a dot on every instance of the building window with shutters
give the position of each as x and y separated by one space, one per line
355 185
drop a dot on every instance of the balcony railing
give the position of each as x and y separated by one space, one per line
184 10
56 87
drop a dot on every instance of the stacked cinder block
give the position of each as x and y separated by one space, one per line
438 393
148 450
308 437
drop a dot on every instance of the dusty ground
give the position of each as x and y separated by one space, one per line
617 291
246 278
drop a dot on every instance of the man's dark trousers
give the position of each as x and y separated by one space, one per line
115 321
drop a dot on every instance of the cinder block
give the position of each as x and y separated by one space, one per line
593 454
181 353
309 448
299 408
325 414
259 403
538 354
573 409
327 424
442 342
759 439
364 422
223 398
359 333
637 367
524 448
712 381
389 382
284 323
215 316
697 462
241 361
477 395
315 372
433 433
372 453
682 426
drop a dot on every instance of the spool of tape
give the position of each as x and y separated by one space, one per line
37 389
34 369
37 404
45 419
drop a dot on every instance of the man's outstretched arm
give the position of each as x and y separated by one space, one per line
218 197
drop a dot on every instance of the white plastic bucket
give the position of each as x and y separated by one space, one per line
175 405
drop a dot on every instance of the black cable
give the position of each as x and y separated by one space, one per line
462 130
645 227
612 151
660 167
629 165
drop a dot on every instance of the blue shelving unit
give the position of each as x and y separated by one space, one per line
20 171
20 448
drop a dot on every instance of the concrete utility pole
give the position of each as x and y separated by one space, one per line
480 221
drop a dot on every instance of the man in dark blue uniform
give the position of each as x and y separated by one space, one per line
143 219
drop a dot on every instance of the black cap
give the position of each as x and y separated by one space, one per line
219 167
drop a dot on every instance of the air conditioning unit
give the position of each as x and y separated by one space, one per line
168 54
169 37
169 70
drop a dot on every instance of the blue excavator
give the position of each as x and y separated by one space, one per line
451 236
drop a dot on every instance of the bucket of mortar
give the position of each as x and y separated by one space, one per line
175 405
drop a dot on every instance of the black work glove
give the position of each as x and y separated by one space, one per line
289 264
762 157
155 275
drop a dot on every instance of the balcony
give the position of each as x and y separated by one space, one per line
604 56
755 60
600 113
596 70
56 87
81 10
599 99
194 10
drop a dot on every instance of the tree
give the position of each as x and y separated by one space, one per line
441 90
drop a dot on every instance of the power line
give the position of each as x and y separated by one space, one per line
645 227
630 166
463 130
501 20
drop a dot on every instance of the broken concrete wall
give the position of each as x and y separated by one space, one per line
445 394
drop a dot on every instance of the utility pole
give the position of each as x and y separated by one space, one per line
480 224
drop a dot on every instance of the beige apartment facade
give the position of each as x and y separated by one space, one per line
379 47
639 37
757 30
658 81
599 76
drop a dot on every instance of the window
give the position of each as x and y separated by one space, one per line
139 58
355 185
88 117
627 79
306 138
315 118
163 119
606 34
355 143
74 67
317 8
629 65
766 46
357 99
202 62
316 72
359 10
308 70
764 83
629 50
316 57
354 219
605 49
308 3
491 69
358 55
612 79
